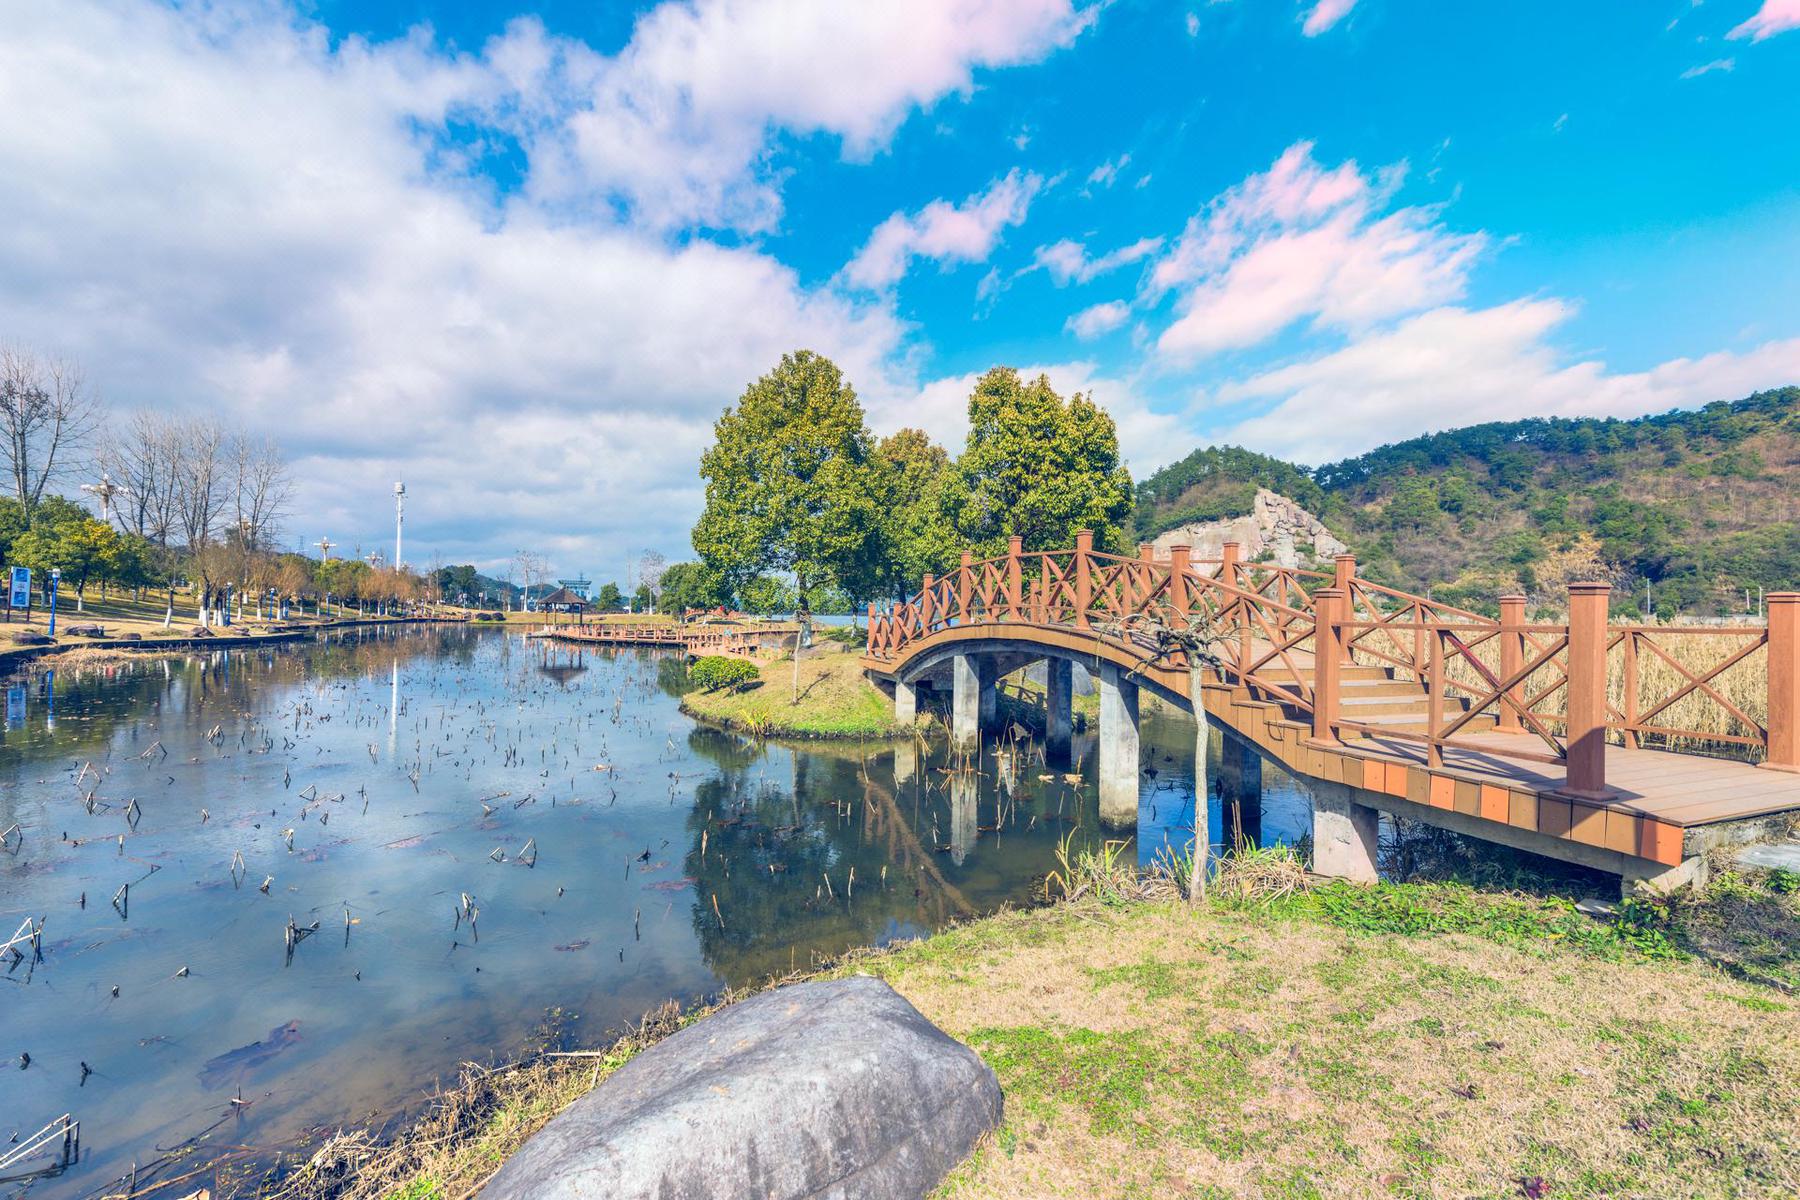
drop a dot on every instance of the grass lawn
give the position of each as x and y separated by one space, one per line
1422 1040
119 615
1417 1042
836 699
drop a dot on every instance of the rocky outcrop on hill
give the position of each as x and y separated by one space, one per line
1275 528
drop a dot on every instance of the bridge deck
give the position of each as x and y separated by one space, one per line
1680 789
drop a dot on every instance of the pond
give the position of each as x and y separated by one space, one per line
287 888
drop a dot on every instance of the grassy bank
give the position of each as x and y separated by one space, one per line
836 699
1333 1041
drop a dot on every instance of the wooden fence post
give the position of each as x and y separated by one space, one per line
1178 569
1512 654
925 605
1084 576
965 588
1784 682
1586 736
1015 549
1228 563
1344 574
1327 657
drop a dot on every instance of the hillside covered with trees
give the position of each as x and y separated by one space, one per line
1696 504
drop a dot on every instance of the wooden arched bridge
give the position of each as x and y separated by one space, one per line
1633 748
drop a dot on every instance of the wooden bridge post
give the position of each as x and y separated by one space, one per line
1784 682
1512 655
1327 659
1015 550
1228 563
965 589
1084 576
925 605
1586 750
1344 575
1178 572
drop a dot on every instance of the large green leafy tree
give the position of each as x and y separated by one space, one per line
794 484
609 598
83 549
1038 467
689 585
919 533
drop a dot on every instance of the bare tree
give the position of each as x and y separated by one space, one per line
262 488
47 416
200 483
142 458
651 568
532 567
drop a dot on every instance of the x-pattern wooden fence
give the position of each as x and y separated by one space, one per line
1571 685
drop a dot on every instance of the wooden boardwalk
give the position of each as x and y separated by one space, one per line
696 638
1635 748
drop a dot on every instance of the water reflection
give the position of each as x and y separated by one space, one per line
368 783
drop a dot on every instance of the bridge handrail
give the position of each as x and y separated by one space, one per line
1555 681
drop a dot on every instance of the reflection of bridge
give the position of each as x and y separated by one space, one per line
740 641
1535 735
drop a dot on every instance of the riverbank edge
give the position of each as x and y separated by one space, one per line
468 1130
14 656
833 685
790 733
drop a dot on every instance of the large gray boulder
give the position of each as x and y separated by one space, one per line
831 1089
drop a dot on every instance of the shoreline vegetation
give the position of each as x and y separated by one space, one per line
837 701
1286 1037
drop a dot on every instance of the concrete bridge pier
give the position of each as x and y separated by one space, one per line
1059 695
906 702
1206 797
972 699
1119 756
1240 788
1344 833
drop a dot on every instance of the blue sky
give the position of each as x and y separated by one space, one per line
523 255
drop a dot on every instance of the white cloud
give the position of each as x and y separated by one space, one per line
1104 174
1452 366
943 231
1325 14
1717 64
217 209
1101 318
1303 243
1147 439
1068 261
679 126
1775 16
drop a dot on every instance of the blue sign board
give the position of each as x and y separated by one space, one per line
21 587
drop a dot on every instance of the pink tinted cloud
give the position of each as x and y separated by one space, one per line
1775 16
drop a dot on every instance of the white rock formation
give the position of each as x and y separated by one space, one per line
1276 527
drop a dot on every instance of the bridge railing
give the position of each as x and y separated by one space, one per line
1286 634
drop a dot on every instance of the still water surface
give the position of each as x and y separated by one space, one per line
614 853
